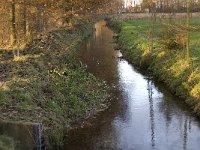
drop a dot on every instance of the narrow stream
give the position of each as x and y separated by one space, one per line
143 116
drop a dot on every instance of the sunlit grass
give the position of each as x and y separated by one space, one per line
169 65
24 58
9 47
141 27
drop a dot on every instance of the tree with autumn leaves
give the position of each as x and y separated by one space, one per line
21 20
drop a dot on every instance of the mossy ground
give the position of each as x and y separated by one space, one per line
168 65
47 84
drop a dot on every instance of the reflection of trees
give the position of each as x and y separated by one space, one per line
173 110
186 131
167 109
185 134
151 107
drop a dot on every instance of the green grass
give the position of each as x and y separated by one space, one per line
166 61
141 27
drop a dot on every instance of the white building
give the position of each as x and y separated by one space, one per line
133 3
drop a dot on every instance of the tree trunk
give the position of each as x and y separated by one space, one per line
38 18
13 35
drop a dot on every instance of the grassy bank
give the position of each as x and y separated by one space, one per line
47 84
6 143
166 60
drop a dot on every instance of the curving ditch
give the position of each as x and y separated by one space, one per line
144 115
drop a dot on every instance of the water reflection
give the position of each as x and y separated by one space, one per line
185 135
144 117
151 107
99 59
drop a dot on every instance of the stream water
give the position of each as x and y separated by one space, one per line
144 115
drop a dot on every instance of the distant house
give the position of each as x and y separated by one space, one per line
133 5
